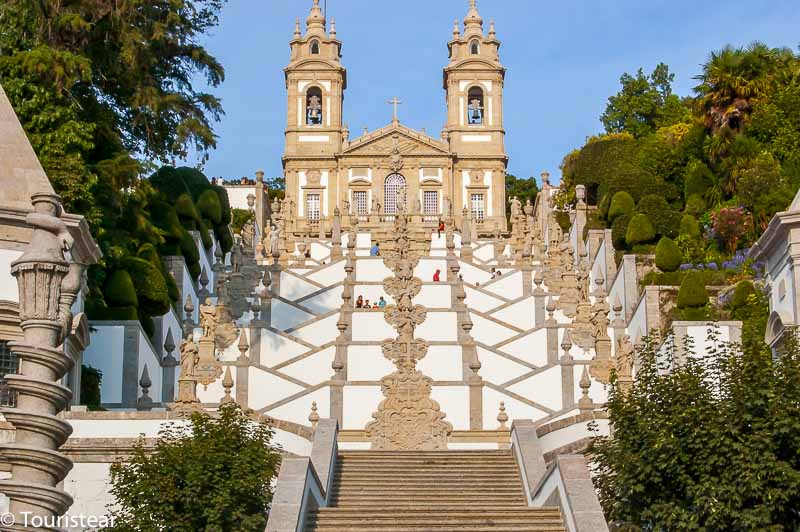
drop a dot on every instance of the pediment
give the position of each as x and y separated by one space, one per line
407 141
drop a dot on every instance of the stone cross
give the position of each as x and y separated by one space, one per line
395 102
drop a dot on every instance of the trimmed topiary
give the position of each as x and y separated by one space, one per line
121 314
225 238
151 288
697 178
148 325
692 292
224 204
742 291
668 255
205 236
689 226
209 207
694 314
603 206
167 180
148 252
618 230
195 180
187 213
189 248
666 220
640 230
695 205
119 290
622 204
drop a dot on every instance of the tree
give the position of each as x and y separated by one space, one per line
523 189
214 474
644 104
706 442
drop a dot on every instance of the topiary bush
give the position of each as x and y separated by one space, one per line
119 290
666 220
121 314
697 178
205 236
668 255
224 204
618 230
603 206
167 181
594 222
742 291
209 207
225 238
692 293
187 213
91 378
640 230
622 204
151 288
695 205
148 325
689 226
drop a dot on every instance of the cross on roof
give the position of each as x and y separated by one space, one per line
395 102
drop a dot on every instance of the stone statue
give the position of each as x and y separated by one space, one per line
189 356
516 207
237 255
448 210
248 235
375 208
274 243
208 318
336 227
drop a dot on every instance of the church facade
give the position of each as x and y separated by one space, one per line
372 177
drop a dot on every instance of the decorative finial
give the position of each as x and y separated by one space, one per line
188 307
227 384
585 402
169 342
145 402
566 342
297 32
333 28
313 417
492 32
456 29
502 417
243 345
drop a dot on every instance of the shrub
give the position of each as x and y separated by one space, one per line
91 378
692 292
603 206
695 205
224 203
697 178
694 314
205 236
640 230
187 213
148 325
666 220
240 217
562 217
742 291
119 290
224 237
594 222
729 224
195 180
209 207
689 226
169 182
622 204
189 248
151 288
668 255
121 314
618 230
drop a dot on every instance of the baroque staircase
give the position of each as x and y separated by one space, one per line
430 491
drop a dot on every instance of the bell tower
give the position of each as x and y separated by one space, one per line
315 85
473 82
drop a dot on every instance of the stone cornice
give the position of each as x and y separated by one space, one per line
773 237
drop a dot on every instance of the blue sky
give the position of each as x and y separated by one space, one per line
564 60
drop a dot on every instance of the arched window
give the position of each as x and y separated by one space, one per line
474 47
314 106
475 108
315 47
394 193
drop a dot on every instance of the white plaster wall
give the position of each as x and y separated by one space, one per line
266 388
276 349
427 267
571 433
637 326
473 275
367 363
544 388
454 401
214 392
618 289
331 274
443 363
359 404
597 390
88 484
372 270
286 316
205 260
237 196
313 369
298 410
487 181
105 353
438 326
319 332
188 289
363 239
484 253
434 296
170 321
320 252
514 408
325 302
293 287
599 266
8 285
783 305
498 369
371 327
531 348
488 332
119 428
521 314
508 286
480 301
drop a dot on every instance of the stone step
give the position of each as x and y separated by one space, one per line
428 483
407 500
452 527
485 468
436 518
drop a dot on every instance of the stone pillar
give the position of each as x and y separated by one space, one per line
630 285
471 363
567 373
345 327
243 364
168 364
539 300
48 286
580 217
466 235
552 333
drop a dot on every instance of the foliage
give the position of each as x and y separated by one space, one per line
240 218
707 277
91 379
622 204
689 226
729 224
150 286
523 189
706 442
692 293
743 290
640 230
619 229
666 220
668 255
209 207
119 290
276 187
192 481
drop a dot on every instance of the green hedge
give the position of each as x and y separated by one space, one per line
692 292
695 205
622 204
151 288
665 219
224 203
603 206
619 228
91 378
742 291
205 236
709 278
167 181
697 178
668 255
640 230
121 314
119 290
148 252
187 213
209 207
689 226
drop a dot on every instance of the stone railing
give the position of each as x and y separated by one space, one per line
304 483
565 483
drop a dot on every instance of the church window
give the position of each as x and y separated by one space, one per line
475 109
314 106
430 203
360 201
8 365
314 47
394 193
478 207
312 207
474 47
